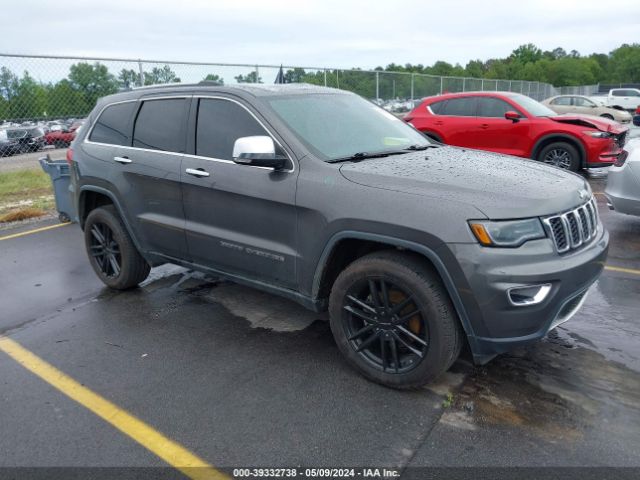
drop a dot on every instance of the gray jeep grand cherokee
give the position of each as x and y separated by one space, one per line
316 194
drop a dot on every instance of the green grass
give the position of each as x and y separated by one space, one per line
31 187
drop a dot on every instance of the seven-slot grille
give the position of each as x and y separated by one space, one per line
572 229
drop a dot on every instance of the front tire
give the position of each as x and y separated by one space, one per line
393 320
562 155
111 251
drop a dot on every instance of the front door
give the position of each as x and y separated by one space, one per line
496 133
240 219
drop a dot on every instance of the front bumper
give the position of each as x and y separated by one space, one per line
496 324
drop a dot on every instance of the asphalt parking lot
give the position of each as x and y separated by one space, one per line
238 378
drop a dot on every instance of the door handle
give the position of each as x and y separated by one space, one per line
122 160
197 172
439 122
484 126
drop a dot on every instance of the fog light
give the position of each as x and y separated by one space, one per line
528 294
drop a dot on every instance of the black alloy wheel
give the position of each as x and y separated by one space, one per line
105 250
385 325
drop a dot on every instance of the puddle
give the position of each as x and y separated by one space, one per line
555 389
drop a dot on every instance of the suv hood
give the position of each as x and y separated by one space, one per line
500 186
591 121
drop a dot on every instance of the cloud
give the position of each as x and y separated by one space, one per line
316 33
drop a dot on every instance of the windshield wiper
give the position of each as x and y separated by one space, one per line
356 157
421 147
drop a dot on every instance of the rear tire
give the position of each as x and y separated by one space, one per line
562 155
606 115
111 251
405 349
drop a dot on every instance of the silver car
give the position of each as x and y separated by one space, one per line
584 105
623 181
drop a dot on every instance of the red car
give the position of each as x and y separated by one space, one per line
515 124
60 138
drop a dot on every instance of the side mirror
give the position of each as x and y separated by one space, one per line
513 116
258 151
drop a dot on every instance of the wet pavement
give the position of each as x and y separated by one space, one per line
243 378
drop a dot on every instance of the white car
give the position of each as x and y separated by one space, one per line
620 98
623 181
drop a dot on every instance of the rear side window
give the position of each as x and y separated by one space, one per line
437 107
113 124
460 107
220 124
566 101
493 107
160 125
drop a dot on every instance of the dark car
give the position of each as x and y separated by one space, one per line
8 146
316 194
29 139
515 124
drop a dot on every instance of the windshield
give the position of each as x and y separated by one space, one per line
16 133
337 125
534 108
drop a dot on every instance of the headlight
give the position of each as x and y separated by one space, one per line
597 134
511 233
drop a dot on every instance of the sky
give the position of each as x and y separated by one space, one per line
325 33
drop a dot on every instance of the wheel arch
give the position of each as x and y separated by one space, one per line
92 197
327 268
560 137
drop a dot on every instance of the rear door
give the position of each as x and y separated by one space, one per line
456 120
496 133
562 105
146 174
240 219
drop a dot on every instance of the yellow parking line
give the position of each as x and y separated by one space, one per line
632 271
171 452
29 232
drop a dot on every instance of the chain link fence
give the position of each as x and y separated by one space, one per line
57 90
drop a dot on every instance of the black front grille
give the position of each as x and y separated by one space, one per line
621 139
574 228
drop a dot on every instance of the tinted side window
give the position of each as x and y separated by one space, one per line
437 107
566 101
113 123
220 124
160 125
460 107
493 107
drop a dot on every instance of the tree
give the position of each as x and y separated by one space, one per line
251 77
92 81
294 76
624 64
129 78
65 101
212 77
160 75
528 53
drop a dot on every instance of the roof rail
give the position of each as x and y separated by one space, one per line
164 85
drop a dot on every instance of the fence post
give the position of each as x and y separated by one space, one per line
441 78
257 75
325 77
377 85
141 79
412 87
337 78
482 84
464 84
